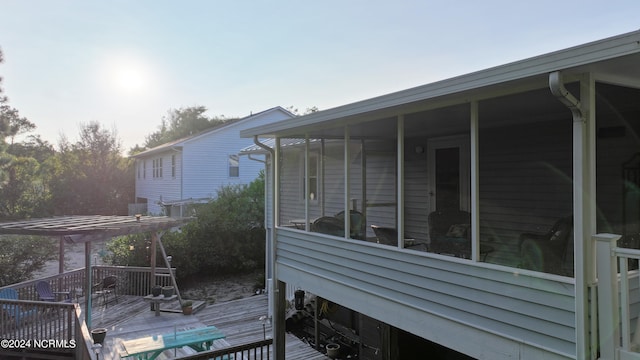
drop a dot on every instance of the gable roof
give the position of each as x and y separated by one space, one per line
180 142
617 56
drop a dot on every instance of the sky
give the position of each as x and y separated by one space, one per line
126 64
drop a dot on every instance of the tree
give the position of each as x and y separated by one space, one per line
181 123
90 176
22 256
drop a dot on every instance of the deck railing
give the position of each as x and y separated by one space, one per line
258 350
132 280
618 299
56 324
38 326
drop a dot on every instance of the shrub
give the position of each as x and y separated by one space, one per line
226 237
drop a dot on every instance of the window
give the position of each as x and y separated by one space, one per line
144 169
173 166
157 168
234 165
313 178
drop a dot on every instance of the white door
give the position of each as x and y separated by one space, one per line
448 167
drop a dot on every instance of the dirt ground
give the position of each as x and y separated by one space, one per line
212 289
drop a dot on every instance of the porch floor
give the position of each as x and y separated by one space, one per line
131 318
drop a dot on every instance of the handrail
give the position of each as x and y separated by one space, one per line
250 351
614 316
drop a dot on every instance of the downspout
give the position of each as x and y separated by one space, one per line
581 178
557 88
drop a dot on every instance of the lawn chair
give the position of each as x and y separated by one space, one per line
107 287
14 311
46 294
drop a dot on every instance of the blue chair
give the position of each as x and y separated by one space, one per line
12 310
46 294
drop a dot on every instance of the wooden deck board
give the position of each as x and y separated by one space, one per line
239 320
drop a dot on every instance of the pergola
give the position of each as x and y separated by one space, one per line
89 228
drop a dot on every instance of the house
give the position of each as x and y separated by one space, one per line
498 188
194 168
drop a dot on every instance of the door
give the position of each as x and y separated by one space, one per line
448 168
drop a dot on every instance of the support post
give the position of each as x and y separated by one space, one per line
608 311
61 255
88 286
154 240
400 181
279 325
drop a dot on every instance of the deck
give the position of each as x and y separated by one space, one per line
239 320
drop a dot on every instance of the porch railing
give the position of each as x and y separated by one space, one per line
258 350
618 299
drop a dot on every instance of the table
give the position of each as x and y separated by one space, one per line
156 300
301 223
150 347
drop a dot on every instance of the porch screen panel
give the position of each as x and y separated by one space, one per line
618 162
525 181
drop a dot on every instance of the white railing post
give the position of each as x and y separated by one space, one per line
608 307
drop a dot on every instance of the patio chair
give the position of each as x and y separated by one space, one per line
107 287
546 251
389 236
46 294
13 311
449 232
357 224
328 225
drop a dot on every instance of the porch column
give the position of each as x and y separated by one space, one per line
277 294
400 186
307 183
347 183
475 207
584 217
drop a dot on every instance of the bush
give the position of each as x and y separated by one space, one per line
226 237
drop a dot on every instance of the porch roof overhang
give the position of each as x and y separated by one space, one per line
614 59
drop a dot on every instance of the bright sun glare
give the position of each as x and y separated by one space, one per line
129 79
127 74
